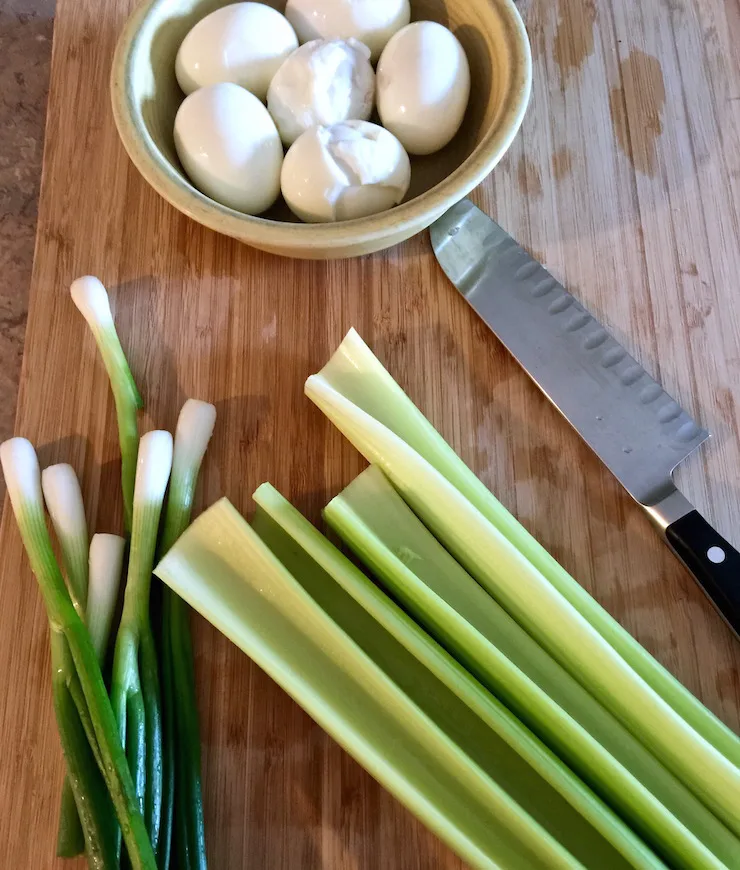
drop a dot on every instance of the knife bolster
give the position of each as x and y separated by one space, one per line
669 510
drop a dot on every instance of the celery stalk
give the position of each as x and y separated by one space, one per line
91 299
358 375
80 694
484 728
376 523
135 690
183 797
225 571
538 606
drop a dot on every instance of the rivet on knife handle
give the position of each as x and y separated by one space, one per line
638 430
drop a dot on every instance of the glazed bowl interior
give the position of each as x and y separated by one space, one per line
146 98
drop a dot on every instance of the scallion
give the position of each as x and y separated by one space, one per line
135 689
84 715
183 798
90 296
106 565
63 498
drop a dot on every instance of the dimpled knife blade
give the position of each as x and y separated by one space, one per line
638 430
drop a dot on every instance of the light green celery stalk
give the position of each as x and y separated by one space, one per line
384 533
182 803
224 570
91 298
358 375
527 771
84 715
539 607
135 689
61 490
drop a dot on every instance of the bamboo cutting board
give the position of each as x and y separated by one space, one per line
625 181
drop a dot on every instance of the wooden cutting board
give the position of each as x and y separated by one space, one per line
625 181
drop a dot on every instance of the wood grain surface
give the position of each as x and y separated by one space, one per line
625 181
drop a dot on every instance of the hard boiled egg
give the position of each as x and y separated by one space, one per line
350 170
230 148
322 83
371 21
244 43
423 86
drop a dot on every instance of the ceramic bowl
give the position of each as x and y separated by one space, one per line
146 97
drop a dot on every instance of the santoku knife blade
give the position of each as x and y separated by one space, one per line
639 432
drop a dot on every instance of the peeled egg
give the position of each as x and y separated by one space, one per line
423 86
229 146
244 43
322 83
371 21
350 170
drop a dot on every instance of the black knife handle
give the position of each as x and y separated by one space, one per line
714 563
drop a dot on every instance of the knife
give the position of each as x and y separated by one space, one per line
638 431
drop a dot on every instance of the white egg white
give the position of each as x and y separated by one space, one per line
350 170
423 86
371 21
322 83
229 147
243 43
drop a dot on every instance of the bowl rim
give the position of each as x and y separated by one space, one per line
407 218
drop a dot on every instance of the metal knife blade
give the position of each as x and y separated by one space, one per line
638 430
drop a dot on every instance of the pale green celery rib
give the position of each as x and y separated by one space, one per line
225 571
378 526
356 373
539 607
483 727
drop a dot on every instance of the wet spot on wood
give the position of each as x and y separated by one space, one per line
725 401
530 182
696 315
574 38
538 255
562 164
637 109
544 464
728 683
